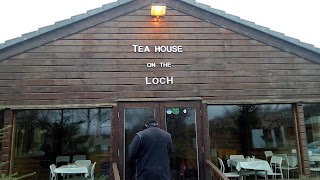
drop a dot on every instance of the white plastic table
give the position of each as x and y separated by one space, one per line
74 169
252 164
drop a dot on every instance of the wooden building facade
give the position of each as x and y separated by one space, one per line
121 61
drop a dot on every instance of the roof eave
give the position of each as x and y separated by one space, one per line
67 27
247 28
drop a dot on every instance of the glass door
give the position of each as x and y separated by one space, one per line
132 117
134 122
181 123
179 119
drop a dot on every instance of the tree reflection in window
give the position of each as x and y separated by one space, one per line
312 123
235 126
66 131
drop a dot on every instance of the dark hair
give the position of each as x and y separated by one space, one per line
150 120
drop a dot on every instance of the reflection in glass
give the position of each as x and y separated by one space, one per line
312 123
251 129
134 122
42 135
181 125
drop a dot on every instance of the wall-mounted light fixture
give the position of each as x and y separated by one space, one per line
158 10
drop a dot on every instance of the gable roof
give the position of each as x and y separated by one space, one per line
199 10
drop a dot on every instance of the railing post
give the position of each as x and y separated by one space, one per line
115 170
215 171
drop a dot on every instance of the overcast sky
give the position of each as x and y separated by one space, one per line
295 18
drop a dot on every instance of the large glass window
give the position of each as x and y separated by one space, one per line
43 135
251 130
312 123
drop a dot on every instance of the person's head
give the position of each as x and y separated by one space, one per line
150 121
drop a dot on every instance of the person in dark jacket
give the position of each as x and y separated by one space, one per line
151 149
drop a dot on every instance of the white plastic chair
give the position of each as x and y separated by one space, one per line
92 171
286 165
316 160
62 159
268 154
237 156
78 157
275 164
53 175
82 162
229 174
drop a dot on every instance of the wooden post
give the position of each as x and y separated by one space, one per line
302 139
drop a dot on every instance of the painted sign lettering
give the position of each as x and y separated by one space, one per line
158 49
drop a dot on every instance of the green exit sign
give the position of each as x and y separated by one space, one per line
175 111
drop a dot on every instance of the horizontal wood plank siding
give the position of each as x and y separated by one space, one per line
99 65
184 42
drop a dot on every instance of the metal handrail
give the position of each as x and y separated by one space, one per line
215 171
115 169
